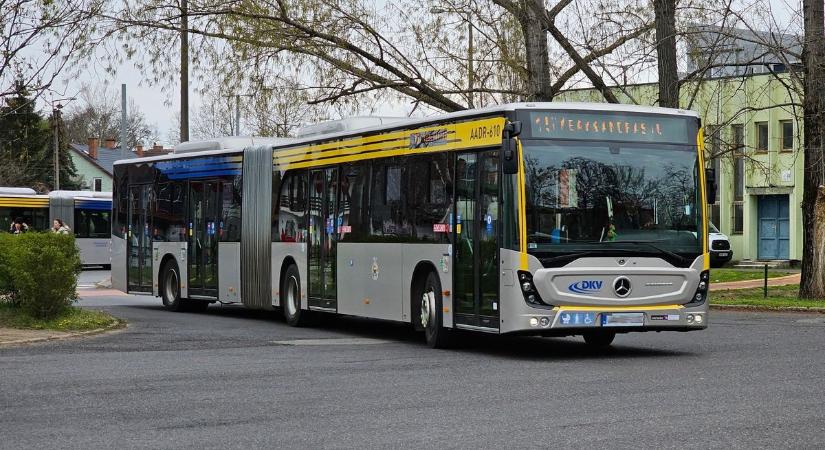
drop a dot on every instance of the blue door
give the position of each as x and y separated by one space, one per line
774 227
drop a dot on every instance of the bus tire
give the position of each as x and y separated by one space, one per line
170 287
599 339
291 298
430 316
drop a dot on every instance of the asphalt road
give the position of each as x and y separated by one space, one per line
236 378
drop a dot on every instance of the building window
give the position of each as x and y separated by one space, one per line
715 140
761 136
787 135
738 134
97 185
738 177
714 207
737 218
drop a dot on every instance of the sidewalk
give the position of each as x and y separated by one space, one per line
750 284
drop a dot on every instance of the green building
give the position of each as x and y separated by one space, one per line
752 137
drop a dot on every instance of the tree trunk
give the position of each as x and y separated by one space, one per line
813 199
665 11
184 71
539 86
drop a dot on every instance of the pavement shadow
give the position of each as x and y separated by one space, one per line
509 347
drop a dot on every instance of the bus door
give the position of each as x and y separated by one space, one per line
323 191
476 240
139 242
204 234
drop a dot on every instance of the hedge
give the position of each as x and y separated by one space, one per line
38 272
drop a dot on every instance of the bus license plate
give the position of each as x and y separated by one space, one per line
723 255
623 319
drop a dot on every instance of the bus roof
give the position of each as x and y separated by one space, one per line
498 110
17 191
83 194
478 112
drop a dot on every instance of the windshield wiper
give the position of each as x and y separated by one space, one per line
652 245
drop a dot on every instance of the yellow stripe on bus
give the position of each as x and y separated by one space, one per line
700 145
522 210
618 308
24 203
448 137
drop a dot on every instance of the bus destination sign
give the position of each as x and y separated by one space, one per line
609 127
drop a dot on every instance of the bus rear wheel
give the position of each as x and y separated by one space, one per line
599 339
170 287
291 298
430 317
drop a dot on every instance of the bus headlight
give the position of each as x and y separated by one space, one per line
701 294
528 289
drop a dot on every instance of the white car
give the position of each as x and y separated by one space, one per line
720 252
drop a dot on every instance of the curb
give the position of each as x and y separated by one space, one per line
799 309
120 325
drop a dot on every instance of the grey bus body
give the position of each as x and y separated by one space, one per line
487 279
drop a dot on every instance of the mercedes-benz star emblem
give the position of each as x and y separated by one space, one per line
621 286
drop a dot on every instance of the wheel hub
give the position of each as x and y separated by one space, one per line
291 297
171 286
427 308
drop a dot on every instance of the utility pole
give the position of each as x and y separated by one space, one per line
470 74
56 119
237 115
236 129
123 121
184 71
56 106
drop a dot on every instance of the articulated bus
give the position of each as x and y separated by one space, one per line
86 213
552 219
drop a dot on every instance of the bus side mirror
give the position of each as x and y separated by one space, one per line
509 164
510 161
710 185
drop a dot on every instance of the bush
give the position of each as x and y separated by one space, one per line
38 272
7 291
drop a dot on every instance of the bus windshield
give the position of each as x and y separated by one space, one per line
606 198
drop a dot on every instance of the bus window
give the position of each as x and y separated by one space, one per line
292 209
92 224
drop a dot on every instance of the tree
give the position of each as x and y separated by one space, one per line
27 145
40 39
352 52
813 202
98 116
666 52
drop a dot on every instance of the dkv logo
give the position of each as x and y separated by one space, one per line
585 286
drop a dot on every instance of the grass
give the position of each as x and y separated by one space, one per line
725 275
71 319
778 297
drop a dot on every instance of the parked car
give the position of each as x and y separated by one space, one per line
720 252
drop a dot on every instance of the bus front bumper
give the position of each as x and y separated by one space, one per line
569 320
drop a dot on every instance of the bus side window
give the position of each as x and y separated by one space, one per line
292 208
354 202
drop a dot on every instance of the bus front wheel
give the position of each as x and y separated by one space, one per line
430 316
291 298
599 339
170 287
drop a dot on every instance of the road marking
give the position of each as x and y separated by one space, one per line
333 341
